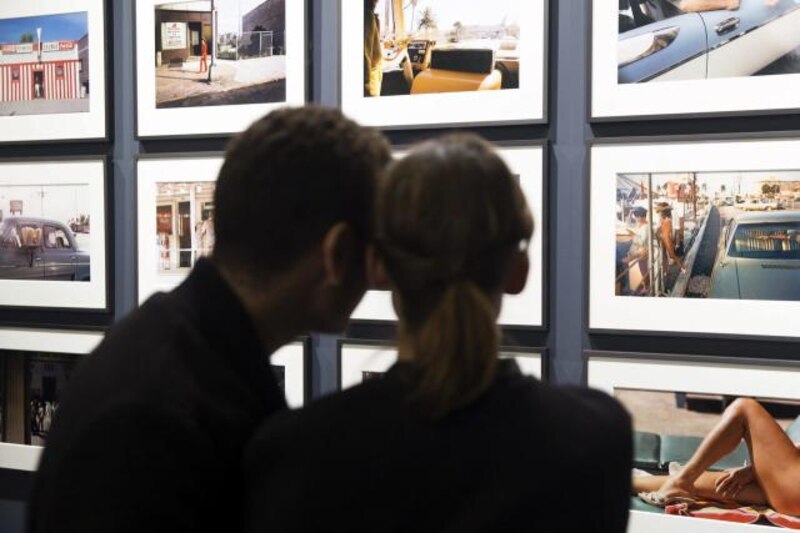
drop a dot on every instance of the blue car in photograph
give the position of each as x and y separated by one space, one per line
758 258
40 249
662 40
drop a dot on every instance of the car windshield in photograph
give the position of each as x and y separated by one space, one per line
670 40
767 241
440 46
696 235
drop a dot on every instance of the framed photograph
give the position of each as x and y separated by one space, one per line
290 365
54 231
212 67
705 238
689 57
35 367
675 402
434 63
175 212
359 361
526 309
53 78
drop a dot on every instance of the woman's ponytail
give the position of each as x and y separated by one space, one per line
456 349
449 222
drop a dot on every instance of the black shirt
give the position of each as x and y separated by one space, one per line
524 457
149 434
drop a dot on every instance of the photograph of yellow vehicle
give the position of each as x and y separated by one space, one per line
414 47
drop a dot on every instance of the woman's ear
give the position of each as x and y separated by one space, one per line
517 276
377 278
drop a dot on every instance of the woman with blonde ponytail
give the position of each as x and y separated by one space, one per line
452 438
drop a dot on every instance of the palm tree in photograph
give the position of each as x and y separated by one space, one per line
428 20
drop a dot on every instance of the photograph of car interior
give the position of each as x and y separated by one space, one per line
423 52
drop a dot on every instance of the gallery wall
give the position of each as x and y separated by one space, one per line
568 134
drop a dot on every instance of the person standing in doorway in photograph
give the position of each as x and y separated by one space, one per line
452 438
207 235
150 431
203 55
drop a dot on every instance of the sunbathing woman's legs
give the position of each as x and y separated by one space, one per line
775 459
704 487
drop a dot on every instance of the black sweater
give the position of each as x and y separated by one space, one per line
524 457
149 434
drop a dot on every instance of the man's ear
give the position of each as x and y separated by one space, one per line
377 277
338 250
517 275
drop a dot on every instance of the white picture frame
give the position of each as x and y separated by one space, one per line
90 175
26 457
79 115
709 316
526 309
356 357
293 358
608 371
211 120
527 104
729 93
152 172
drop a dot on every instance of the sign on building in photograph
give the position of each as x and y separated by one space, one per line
173 36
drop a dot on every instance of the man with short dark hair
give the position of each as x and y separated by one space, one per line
149 435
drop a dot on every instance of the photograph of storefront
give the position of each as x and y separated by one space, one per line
731 235
44 65
184 225
220 52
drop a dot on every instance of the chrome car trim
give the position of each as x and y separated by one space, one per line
753 28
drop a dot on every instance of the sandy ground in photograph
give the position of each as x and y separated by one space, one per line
232 81
656 412
43 107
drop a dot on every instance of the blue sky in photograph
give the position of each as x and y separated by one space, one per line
61 27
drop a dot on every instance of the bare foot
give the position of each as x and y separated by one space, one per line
676 487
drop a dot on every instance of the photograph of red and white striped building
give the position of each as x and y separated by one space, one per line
40 75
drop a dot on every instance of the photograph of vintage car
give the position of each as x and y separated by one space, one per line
723 235
220 52
44 64
45 233
668 40
669 427
184 224
439 46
